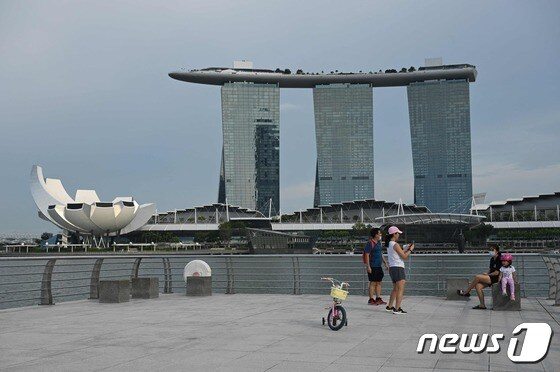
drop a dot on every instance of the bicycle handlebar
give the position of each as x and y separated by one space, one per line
334 282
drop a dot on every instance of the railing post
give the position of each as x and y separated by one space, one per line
365 282
94 283
295 266
522 287
556 265
46 288
136 267
168 286
438 271
409 266
551 277
230 288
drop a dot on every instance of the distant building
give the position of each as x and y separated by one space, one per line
344 134
538 211
250 171
85 215
268 241
343 105
526 222
440 131
300 229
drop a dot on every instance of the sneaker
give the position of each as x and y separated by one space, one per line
460 292
389 309
400 311
371 301
512 298
380 301
504 294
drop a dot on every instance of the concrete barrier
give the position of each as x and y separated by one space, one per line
145 287
198 276
453 284
503 303
199 286
113 291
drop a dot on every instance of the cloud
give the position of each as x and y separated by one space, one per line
86 92
297 196
502 181
394 184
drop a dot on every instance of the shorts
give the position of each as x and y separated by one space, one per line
494 279
397 273
376 274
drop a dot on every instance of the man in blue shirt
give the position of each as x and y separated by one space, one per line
374 259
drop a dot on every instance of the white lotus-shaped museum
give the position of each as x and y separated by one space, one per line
86 214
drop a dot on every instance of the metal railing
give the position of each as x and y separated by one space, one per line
45 280
552 262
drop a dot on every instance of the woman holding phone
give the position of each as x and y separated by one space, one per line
396 254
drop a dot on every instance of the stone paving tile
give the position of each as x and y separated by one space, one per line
90 359
352 368
348 360
403 369
470 362
290 366
397 360
13 357
307 356
256 333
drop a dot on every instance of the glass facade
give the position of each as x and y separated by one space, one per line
250 170
441 144
344 135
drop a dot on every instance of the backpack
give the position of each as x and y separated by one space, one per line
364 257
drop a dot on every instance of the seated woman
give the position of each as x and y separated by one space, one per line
484 280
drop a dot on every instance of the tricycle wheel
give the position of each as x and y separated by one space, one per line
337 318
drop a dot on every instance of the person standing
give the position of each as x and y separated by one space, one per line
396 254
374 259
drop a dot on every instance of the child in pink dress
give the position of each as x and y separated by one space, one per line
508 275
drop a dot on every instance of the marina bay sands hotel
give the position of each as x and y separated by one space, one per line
439 112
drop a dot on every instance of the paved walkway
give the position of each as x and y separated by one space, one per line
257 333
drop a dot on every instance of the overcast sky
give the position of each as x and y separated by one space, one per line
84 92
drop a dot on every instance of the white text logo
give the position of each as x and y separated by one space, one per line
534 347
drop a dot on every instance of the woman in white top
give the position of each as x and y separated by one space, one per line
396 255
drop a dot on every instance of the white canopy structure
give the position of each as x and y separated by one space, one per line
86 214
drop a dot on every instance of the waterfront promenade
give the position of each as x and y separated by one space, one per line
257 332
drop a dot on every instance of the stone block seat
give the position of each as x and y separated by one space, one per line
145 287
452 285
503 303
198 276
114 291
199 286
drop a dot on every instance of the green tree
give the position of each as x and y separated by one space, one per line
225 232
159 237
479 234
359 229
